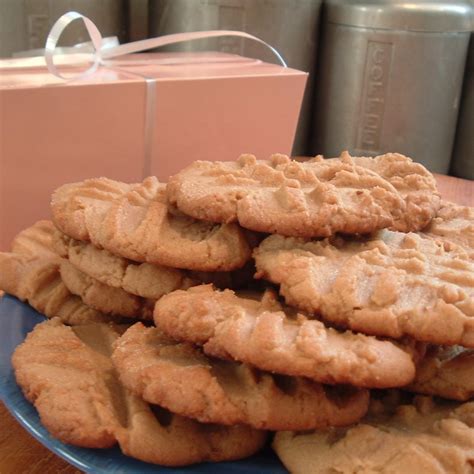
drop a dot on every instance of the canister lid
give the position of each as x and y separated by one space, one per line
427 16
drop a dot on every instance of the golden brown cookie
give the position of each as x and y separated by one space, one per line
158 436
67 382
413 181
446 372
141 279
303 199
68 375
31 273
453 225
260 333
422 437
135 222
35 240
391 284
104 298
77 207
179 377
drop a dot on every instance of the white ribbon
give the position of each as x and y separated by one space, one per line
55 34
103 52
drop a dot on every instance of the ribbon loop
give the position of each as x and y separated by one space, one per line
104 51
56 32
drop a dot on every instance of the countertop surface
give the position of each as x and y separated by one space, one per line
21 453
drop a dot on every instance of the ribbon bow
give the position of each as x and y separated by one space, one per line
103 52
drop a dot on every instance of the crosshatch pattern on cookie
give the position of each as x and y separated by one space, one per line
35 240
135 222
391 284
258 332
316 198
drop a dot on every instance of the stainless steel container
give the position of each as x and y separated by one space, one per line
462 163
390 78
24 24
137 19
291 26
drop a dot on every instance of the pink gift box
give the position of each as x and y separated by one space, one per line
143 114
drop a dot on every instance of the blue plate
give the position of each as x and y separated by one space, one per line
18 319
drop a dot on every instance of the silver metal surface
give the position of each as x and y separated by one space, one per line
291 26
462 163
137 19
430 15
382 90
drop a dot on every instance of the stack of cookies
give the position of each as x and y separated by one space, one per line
272 296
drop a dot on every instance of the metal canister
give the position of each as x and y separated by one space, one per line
462 163
291 26
390 78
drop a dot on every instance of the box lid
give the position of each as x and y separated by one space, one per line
25 73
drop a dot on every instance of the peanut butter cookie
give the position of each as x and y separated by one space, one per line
31 273
306 199
413 181
179 377
453 225
422 437
141 279
68 374
390 284
261 333
135 222
104 298
35 240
